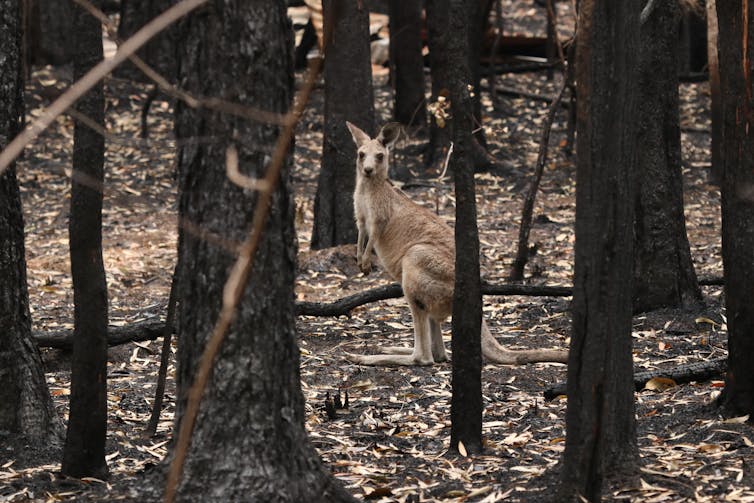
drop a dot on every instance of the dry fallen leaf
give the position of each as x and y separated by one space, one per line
660 384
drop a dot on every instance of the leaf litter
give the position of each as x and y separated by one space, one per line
391 443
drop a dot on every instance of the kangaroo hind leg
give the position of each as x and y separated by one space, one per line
421 354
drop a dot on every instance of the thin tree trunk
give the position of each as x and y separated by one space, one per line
26 410
715 174
466 400
84 453
348 97
600 424
407 62
736 84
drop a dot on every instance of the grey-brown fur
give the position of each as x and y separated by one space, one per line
417 248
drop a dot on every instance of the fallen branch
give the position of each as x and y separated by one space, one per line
343 307
147 330
696 371
151 330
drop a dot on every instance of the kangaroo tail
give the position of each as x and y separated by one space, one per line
495 353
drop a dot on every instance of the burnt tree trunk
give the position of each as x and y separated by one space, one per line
49 33
715 173
84 452
26 410
249 441
663 271
159 52
348 97
466 400
440 134
407 62
600 424
737 189
478 17
440 127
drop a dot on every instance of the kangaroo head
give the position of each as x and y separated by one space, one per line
372 154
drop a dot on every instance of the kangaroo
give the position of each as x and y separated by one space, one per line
417 248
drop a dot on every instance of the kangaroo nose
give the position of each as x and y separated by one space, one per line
368 170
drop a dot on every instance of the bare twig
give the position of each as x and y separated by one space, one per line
235 176
162 374
80 87
647 11
522 254
234 286
173 91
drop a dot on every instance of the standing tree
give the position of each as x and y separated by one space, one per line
440 136
249 441
466 401
600 424
407 62
663 271
737 188
48 31
26 410
715 174
348 97
159 52
84 453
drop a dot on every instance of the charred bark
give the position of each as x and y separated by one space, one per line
664 274
249 441
27 414
737 189
407 62
84 452
348 97
600 424
466 399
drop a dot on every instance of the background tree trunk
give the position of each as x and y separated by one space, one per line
600 424
159 53
664 274
26 410
348 97
84 453
715 174
407 62
249 442
49 31
440 134
466 401
736 84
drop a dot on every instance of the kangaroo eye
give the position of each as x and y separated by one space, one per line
380 157
362 155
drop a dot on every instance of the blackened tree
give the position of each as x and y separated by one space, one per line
663 271
715 174
48 28
600 424
407 62
249 441
466 400
27 414
84 452
737 189
440 131
348 97
159 52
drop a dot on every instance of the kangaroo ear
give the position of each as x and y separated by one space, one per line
359 136
389 134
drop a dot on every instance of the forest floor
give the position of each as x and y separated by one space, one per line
392 442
